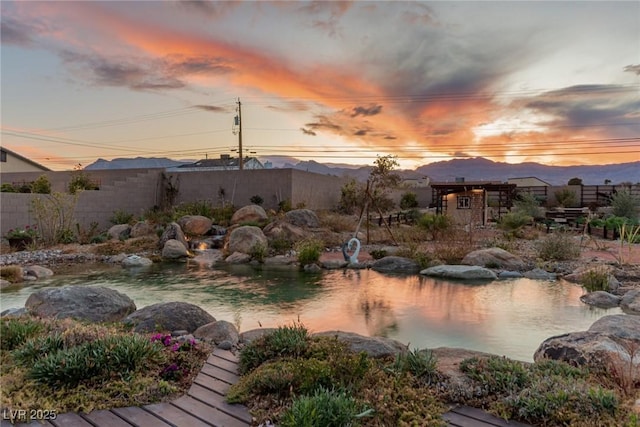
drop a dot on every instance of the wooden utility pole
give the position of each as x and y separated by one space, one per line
240 164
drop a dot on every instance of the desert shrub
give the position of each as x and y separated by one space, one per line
497 374
222 215
408 200
625 204
566 197
54 216
309 251
529 205
435 224
280 245
352 196
121 217
41 185
378 253
285 341
323 408
14 332
558 247
81 181
284 205
595 279
8 188
256 200
88 235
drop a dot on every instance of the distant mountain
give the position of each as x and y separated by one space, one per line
481 169
137 163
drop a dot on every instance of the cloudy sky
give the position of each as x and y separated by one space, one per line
342 82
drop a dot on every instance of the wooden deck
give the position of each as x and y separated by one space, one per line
204 405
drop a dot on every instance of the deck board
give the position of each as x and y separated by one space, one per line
105 418
219 373
70 419
139 417
223 364
207 413
206 395
466 416
175 415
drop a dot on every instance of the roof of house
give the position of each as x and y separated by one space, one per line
224 162
530 177
24 159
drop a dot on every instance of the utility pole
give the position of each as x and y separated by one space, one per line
240 135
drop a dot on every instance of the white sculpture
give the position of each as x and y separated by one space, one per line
353 259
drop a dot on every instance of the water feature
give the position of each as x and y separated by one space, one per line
506 317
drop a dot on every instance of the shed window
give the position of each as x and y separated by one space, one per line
3 156
464 202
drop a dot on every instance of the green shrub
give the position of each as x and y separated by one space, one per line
281 245
222 215
199 207
8 188
121 217
497 374
286 341
37 348
625 204
529 205
408 200
14 332
566 198
81 181
435 224
284 205
41 185
256 200
378 253
512 222
101 358
327 408
558 247
309 251
259 252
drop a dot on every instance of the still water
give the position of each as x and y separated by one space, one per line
505 317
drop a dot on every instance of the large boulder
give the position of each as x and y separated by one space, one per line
630 302
609 345
249 213
253 334
195 225
95 304
218 332
244 239
601 299
37 272
372 346
135 261
173 232
303 218
168 316
395 264
282 230
460 272
119 232
142 228
494 258
174 249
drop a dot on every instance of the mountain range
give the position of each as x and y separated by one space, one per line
473 169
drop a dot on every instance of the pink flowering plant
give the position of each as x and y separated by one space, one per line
183 356
22 233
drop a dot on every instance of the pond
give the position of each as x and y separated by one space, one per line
504 317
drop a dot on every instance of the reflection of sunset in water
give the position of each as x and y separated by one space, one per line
507 317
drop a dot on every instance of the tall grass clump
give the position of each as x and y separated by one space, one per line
309 251
595 279
325 407
435 224
558 247
513 222
286 341
14 332
422 364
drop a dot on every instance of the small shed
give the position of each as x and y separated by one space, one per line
473 202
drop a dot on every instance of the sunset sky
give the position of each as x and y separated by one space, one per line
336 82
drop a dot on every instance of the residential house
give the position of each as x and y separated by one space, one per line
225 162
10 161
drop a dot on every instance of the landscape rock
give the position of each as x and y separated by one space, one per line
630 302
168 316
174 249
142 228
173 232
244 239
579 274
302 218
284 231
195 225
506 274
494 258
37 271
601 299
238 258
372 346
247 337
460 272
249 213
135 261
14 312
334 264
395 264
119 232
539 274
218 332
4 284
312 268
618 325
280 260
95 304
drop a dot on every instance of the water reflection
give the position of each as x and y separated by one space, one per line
504 317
